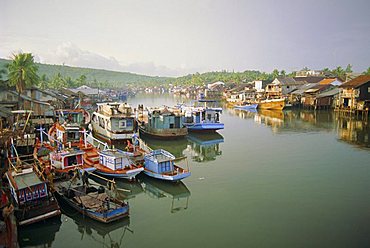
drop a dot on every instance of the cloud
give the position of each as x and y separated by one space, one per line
70 54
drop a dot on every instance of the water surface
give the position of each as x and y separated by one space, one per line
269 179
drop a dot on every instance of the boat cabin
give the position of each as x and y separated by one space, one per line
26 187
114 159
165 118
114 117
67 159
68 133
159 161
202 115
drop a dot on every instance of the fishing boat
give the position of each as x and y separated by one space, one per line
31 196
160 164
59 159
69 127
162 123
246 107
116 163
202 119
114 122
95 203
273 104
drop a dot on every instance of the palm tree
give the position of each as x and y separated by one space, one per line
22 73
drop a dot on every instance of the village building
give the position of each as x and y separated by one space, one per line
355 97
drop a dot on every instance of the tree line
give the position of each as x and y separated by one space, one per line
22 72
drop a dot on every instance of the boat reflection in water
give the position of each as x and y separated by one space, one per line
204 147
178 192
41 234
354 131
272 118
176 147
106 235
243 114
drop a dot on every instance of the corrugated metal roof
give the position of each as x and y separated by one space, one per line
331 92
303 88
356 82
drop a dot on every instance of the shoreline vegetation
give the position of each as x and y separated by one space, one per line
59 76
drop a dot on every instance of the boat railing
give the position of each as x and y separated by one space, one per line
144 146
100 143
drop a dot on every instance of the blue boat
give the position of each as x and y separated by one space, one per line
90 201
202 119
247 107
160 164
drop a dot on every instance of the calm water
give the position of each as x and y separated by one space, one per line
270 179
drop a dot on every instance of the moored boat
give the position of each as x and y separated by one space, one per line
272 104
31 196
247 106
117 163
114 122
160 164
202 119
60 161
163 123
95 203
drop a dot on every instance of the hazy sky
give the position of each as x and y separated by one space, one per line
173 38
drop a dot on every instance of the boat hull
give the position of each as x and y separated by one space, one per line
247 107
130 174
109 217
272 104
173 133
205 127
164 177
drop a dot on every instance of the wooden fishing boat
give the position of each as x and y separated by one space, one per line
32 198
160 164
95 203
70 126
202 119
117 163
59 161
114 122
162 123
273 104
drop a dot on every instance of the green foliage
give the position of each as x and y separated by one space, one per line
367 72
22 71
349 68
111 79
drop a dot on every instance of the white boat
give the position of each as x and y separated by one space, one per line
113 122
202 119
117 163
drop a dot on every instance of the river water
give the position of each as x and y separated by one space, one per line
269 179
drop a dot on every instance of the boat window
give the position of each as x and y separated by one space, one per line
72 136
122 124
71 160
101 122
94 118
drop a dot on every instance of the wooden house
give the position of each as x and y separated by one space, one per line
328 99
309 97
355 95
287 84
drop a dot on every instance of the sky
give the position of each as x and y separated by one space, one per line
175 38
